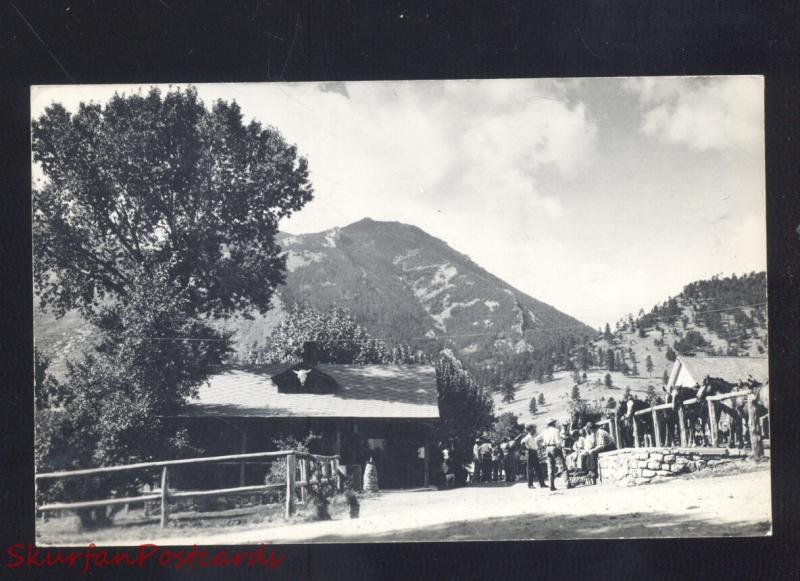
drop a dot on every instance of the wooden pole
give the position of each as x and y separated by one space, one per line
242 464
756 442
290 468
656 428
304 477
337 478
635 432
615 426
426 461
682 426
712 421
164 497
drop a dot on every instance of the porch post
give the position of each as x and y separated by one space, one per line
243 451
338 439
427 457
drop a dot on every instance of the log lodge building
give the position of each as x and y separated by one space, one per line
384 412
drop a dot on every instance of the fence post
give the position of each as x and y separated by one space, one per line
712 420
656 428
682 426
756 443
304 477
164 497
337 474
290 469
615 426
635 431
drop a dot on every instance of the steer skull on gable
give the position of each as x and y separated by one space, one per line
302 375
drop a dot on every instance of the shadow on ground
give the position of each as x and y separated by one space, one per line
548 527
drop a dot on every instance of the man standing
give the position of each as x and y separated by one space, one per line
476 460
531 446
485 452
596 441
551 438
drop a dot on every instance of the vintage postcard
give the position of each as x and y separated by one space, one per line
400 311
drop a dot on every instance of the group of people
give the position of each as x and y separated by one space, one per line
500 461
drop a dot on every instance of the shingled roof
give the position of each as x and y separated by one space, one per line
731 369
365 391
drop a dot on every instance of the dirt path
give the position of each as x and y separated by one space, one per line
732 505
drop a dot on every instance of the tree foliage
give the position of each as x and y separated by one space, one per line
532 406
152 182
154 214
509 392
339 339
464 407
506 426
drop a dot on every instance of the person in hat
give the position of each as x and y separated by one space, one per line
597 440
551 438
530 443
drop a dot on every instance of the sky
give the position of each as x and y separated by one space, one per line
598 196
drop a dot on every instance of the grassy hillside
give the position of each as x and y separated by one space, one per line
557 391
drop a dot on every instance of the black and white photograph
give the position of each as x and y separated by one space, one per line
400 311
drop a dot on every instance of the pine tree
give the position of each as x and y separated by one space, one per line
665 377
607 333
649 365
611 362
541 399
532 406
671 356
509 392
575 395
608 381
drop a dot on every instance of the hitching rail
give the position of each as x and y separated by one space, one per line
756 441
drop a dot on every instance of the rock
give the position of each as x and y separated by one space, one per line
648 473
642 455
663 473
642 464
665 466
657 457
639 481
670 458
653 465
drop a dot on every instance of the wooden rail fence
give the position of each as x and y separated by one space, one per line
756 436
327 470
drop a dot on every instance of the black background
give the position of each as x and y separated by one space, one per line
51 42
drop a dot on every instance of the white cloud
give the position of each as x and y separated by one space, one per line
710 113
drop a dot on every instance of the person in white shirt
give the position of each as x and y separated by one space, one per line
551 438
530 443
596 441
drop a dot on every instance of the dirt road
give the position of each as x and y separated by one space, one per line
732 505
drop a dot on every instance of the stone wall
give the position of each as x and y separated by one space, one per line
634 466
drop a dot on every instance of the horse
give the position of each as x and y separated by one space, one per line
626 416
718 386
676 396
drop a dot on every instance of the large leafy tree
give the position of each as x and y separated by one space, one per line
154 214
160 181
